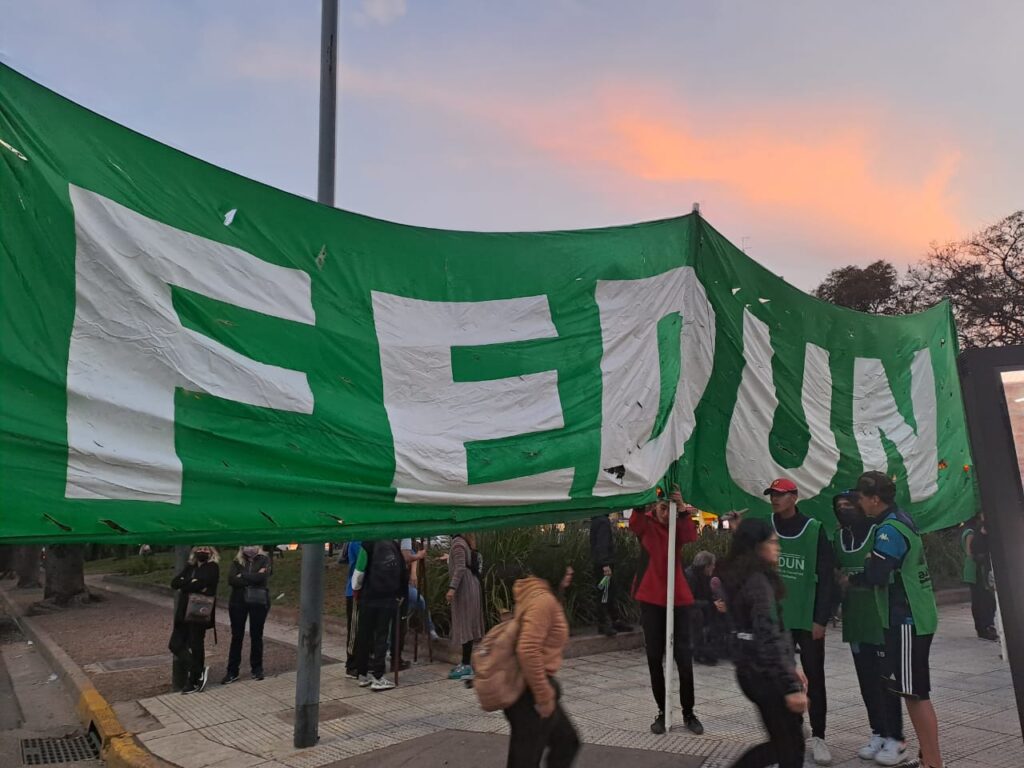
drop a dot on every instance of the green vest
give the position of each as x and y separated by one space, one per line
860 614
917 584
798 567
970 575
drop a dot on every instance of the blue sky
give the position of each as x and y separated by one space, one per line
814 134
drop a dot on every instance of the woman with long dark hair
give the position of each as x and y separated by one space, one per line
765 666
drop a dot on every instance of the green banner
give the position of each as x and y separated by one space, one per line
187 355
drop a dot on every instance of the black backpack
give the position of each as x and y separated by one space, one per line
384 578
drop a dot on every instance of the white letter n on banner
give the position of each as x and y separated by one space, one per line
876 414
432 416
129 351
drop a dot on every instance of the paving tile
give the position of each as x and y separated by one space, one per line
608 698
189 750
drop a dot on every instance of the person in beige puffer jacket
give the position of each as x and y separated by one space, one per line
537 720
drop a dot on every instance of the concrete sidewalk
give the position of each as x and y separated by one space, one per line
249 724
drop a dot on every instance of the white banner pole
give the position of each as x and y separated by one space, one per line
670 599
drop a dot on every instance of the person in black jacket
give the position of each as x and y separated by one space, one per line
249 601
707 616
602 556
381 579
188 638
765 666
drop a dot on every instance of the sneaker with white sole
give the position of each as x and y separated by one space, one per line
203 680
872 748
364 681
820 751
461 672
893 752
381 684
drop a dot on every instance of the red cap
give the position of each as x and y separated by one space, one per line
782 485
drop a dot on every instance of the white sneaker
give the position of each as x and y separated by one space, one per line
820 751
892 753
364 681
381 684
872 748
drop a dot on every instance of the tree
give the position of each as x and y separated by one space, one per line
26 563
874 288
65 579
983 277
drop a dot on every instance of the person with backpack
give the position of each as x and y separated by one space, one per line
863 630
194 613
249 601
765 665
381 579
516 665
465 595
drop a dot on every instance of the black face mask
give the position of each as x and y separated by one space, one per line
202 557
848 517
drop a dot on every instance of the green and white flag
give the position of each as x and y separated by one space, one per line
187 355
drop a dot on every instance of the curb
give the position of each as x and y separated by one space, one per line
119 748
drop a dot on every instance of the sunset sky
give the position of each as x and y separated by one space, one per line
814 134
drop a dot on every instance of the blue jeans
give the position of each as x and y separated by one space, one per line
418 603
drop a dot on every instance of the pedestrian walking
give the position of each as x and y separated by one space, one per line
249 602
806 568
864 631
650 590
977 574
765 668
381 579
194 613
602 557
898 572
537 721
465 597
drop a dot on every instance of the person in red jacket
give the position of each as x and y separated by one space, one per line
650 589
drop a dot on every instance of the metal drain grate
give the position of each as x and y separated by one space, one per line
69 749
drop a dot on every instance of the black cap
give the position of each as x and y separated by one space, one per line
875 483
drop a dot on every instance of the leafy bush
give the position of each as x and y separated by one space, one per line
548 551
945 557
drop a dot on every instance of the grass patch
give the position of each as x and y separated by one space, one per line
284 582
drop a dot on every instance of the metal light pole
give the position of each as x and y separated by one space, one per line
311 585
179 672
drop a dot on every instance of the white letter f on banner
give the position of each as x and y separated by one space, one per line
129 351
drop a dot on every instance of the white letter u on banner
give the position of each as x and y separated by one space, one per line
747 453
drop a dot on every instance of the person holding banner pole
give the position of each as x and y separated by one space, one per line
806 567
651 589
